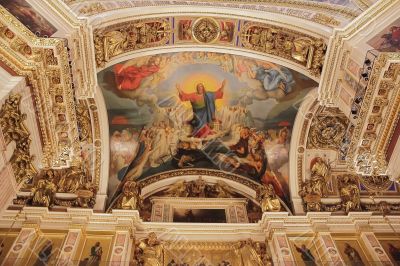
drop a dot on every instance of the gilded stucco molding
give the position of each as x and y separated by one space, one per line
14 130
306 51
202 172
31 57
275 6
377 118
337 53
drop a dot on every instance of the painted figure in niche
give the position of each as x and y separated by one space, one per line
185 30
395 253
227 30
306 255
94 259
353 257
203 105
44 254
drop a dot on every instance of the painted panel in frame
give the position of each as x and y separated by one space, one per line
46 250
28 16
392 249
199 216
304 251
201 110
387 40
351 252
6 242
96 250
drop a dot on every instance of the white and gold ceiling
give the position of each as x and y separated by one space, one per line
101 103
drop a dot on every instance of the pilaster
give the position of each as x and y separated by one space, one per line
69 247
20 247
375 249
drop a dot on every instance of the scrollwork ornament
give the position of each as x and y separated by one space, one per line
121 38
376 183
14 129
206 30
349 193
326 132
304 50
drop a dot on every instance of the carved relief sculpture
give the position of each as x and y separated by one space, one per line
73 181
313 189
149 251
84 122
268 200
326 132
117 39
305 50
14 129
130 199
200 189
349 193
247 253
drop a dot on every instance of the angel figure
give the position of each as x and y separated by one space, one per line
222 190
179 189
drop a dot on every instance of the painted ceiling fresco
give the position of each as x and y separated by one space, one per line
388 40
28 16
202 110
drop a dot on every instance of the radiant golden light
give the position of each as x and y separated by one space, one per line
210 83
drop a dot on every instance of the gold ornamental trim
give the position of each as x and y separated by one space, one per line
345 12
199 172
44 62
116 40
377 117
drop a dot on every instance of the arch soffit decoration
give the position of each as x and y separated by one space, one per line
318 12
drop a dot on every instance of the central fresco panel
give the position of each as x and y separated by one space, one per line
202 110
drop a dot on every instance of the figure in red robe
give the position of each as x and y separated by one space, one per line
130 77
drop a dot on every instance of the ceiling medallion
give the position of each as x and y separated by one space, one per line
206 30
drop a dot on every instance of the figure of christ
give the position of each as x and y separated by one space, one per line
203 105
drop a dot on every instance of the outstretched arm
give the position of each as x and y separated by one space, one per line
220 92
182 95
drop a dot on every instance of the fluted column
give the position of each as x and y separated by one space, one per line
21 245
69 247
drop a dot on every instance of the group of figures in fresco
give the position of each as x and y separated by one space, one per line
202 110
